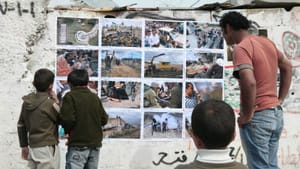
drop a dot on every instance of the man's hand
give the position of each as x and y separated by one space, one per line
243 120
24 153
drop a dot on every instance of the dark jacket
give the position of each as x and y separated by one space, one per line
37 124
82 117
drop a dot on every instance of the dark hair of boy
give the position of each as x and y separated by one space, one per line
236 20
43 78
78 77
213 122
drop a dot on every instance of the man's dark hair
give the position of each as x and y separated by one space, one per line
213 121
43 78
78 77
188 84
236 20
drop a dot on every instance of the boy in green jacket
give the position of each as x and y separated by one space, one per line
38 124
82 117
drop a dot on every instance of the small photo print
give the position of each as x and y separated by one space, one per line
207 90
204 35
163 64
62 87
123 124
121 32
77 31
188 124
162 125
70 59
204 65
164 34
120 94
163 95
121 63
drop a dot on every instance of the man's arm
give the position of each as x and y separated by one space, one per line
285 68
248 94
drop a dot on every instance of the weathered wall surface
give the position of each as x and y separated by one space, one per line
28 42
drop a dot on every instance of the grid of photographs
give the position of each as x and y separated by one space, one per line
149 74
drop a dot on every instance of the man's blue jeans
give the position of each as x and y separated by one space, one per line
260 138
82 158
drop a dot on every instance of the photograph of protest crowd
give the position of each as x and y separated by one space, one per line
121 32
123 124
204 65
204 35
70 59
164 34
77 31
121 63
162 125
120 94
167 64
163 95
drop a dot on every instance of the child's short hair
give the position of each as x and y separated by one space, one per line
213 121
78 77
43 78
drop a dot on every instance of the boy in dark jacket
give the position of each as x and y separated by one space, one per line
213 129
37 124
82 117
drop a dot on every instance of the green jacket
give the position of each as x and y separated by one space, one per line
82 117
37 124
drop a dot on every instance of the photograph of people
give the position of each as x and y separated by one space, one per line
162 125
204 35
164 34
163 95
121 63
70 59
120 94
204 65
121 32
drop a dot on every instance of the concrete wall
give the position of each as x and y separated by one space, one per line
28 42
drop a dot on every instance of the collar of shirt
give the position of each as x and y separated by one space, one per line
214 156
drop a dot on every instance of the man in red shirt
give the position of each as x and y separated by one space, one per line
256 61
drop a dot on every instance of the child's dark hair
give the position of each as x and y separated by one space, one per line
213 121
78 77
43 78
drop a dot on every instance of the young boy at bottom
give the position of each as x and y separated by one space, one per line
213 128
37 124
82 117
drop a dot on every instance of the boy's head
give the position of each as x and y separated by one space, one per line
213 124
43 80
78 77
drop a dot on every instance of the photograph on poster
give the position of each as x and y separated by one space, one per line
192 97
120 94
204 65
121 63
209 90
62 87
162 95
167 64
77 31
123 124
70 59
204 35
121 32
162 125
188 124
164 34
